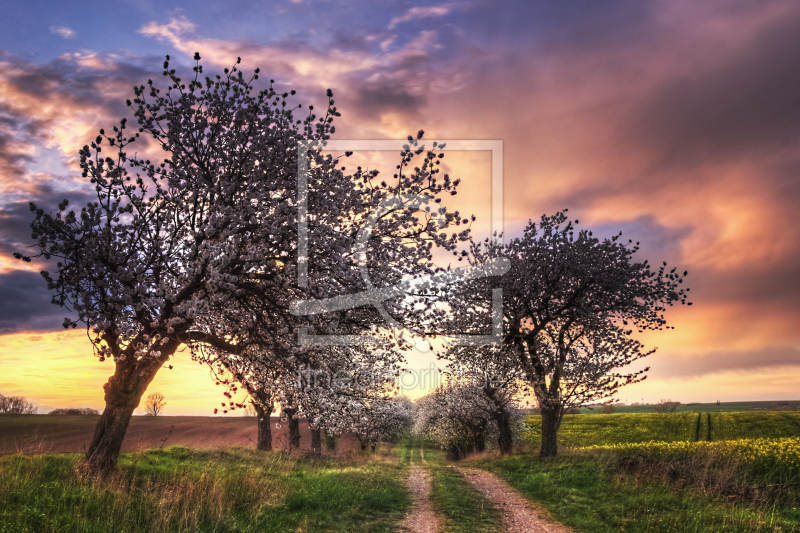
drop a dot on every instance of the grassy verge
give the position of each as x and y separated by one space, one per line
590 494
178 489
599 430
463 509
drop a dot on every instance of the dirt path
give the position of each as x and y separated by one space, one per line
518 514
421 519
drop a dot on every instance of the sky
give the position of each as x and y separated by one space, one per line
675 122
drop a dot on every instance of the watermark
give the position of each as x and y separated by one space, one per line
404 380
376 296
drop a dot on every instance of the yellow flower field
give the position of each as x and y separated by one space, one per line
782 453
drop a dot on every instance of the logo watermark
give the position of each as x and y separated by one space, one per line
404 380
376 296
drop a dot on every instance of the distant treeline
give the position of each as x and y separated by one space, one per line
75 411
16 405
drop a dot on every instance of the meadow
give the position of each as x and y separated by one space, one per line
226 490
720 471
619 472
600 430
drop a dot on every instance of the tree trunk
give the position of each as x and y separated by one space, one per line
551 421
103 452
123 392
480 443
294 429
316 441
264 428
504 435
330 441
363 447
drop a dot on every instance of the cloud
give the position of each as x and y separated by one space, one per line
47 112
63 31
374 80
714 362
168 32
15 219
421 12
25 304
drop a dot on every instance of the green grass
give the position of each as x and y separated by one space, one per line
703 407
591 495
462 508
579 430
178 489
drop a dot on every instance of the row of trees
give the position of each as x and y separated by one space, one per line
16 405
228 214
74 411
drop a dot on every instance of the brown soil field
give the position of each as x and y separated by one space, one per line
59 434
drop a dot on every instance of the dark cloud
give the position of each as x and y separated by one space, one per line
25 304
15 217
747 101
657 242
376 99
773 284
723 361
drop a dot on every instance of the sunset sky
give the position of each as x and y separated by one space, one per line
675 122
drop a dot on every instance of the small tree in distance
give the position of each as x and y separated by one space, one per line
666 406
154 405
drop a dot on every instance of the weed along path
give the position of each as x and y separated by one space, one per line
422 518
518 514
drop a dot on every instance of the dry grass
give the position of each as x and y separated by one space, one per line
179 489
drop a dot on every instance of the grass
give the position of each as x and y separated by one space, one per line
178 489
722 407
698 472
592 495
462 508
599 430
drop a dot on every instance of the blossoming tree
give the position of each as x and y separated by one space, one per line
201 249
571 303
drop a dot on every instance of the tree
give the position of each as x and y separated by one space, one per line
171 250
154 404
75 411
457 416
570 305
260 381
346 379
16 405
201 249
382 419
666 406
499 380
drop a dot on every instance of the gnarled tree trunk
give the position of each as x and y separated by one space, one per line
123 392
294 428
504 435
551 421
264 427
316 441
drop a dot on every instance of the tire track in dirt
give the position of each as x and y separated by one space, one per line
519 516
422 518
